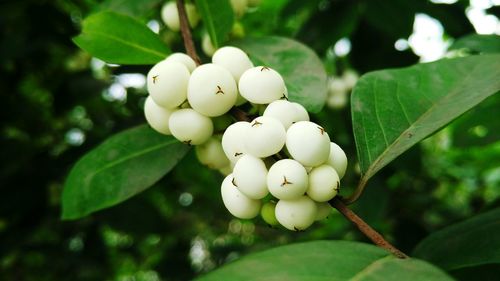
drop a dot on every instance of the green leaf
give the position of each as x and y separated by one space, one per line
301 68
120 39
469 243
133 8
392 110
122 166
477 43
218 17
326 260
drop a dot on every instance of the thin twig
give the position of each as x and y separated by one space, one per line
186 32
367 230
357 192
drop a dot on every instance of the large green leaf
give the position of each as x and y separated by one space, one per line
117 38
478 43
326 261
301 68
392 110
218 17
475 241
119 168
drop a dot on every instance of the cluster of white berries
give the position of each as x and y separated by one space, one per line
280 157
339 88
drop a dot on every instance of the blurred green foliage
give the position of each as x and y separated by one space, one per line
58 105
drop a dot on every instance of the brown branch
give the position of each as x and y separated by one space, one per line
186 32
367 230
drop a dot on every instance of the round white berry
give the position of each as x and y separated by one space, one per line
324 210
207 46
232 59
170 15
286 112
212 90
261 85
308 143
211 154
167 83
186 60
324 183
337 159
297 214
157 116
265 137
190 127
287 179
301 112
350 78
337 86
236 202
232 140
250 176
268 213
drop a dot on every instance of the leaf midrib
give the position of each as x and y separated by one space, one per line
370 268
91 176
128 43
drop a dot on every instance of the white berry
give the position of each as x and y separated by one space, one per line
232 59
250 175
337 159
186 60
167 83
265 137
301 112
261 85
324 210
308 143
232 140
286 112
297 214
287 179
212 90
211 154
170 15
157 116
190 127
324 183
236 202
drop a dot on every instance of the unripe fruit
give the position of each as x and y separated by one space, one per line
207 46
261 85
211 154
337 159
236 202
226 170
296 214
186 60
268 213
239 7
190 127
286 112
170 15
308 143
233 59
350 78
250 176
287 179
324 183
253 3
157 116
265 137
337 86
232 140
212 90
167 83
324 210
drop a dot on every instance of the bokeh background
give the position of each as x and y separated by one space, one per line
58 103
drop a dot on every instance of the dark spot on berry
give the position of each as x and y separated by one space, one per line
219 90
264 68
155 78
